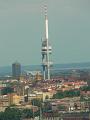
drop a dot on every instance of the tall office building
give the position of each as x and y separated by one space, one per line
16 70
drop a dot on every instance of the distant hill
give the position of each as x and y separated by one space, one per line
7 70
73 66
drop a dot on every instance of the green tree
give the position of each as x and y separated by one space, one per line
7 90
12 114
58 95
1 115
36 102
61 107
85 88
71 93
47 106
28 113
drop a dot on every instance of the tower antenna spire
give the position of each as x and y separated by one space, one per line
45 9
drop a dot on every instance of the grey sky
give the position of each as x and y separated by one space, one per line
22 26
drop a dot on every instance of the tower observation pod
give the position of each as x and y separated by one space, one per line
46 50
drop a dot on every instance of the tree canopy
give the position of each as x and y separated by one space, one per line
10 114
17 114
85 88
7 90
71 93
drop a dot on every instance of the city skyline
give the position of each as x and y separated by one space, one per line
22 27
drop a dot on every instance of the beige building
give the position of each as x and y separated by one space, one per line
13 99
41 95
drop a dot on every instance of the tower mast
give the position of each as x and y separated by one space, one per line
46 50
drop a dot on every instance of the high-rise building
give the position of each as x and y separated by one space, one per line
16 70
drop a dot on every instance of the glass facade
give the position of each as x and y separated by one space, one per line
16 70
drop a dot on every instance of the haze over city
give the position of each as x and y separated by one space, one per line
22 27
44 60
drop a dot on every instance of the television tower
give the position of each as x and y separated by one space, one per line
46 50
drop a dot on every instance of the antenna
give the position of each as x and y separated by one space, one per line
45 9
